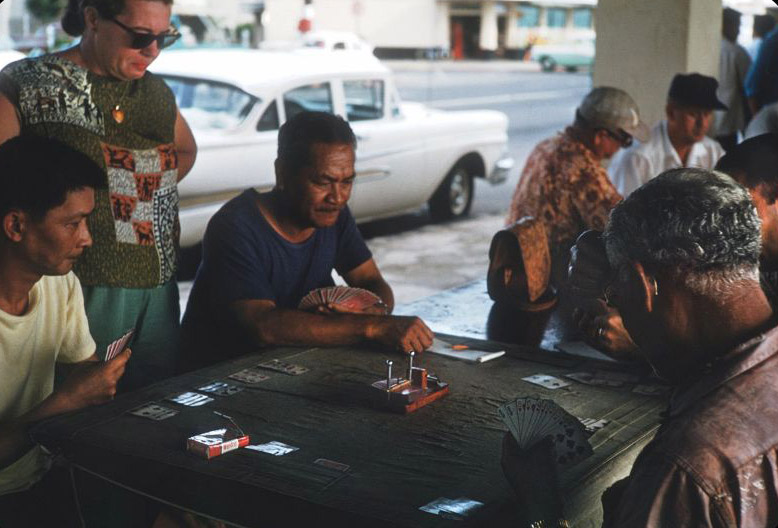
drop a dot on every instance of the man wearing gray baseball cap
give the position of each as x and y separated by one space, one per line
563 183
675 142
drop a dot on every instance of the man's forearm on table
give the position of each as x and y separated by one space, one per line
295 327
14 440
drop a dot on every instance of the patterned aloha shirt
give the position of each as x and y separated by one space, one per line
566 187
135 222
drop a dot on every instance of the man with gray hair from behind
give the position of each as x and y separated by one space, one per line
684 250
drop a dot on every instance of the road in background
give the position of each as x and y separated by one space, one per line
418 257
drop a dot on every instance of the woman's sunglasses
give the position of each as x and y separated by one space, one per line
144 40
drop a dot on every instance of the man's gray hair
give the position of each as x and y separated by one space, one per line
698 225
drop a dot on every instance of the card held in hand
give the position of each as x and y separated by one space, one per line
530 420
118 346
356 299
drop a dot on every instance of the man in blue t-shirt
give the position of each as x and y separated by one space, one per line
262 253
761 85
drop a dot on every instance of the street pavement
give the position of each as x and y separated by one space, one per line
418 257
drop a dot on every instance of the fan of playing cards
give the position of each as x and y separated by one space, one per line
530 420
118 346
351 298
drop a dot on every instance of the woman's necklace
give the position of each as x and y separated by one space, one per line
118 112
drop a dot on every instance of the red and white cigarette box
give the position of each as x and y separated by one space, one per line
215 443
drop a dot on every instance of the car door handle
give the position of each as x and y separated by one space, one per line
362 137
373 173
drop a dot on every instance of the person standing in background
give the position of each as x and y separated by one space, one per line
733 68
763 24
99 98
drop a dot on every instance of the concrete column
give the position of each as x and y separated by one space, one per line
5 25
641 45
512 36
487 39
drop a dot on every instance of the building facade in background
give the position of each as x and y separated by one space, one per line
433 28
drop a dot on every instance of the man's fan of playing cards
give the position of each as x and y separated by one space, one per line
351 298
118 346
530 420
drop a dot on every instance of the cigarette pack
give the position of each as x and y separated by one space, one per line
215 443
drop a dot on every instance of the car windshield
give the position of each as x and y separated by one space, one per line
210 104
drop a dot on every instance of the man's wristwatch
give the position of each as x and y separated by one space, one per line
382 304
560 523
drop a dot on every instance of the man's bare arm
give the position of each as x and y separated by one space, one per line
368 276
186 147
89 383
268 325
9 120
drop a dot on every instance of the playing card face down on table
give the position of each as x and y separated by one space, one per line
530 420
351 298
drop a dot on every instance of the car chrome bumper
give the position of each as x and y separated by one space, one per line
500 171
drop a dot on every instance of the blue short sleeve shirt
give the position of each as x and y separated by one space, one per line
245 258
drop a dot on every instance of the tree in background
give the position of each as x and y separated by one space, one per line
45 10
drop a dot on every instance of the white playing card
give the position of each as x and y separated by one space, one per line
249 375
544 380
593 425
282 366
220 388
434 506
274 448
153 411
190 399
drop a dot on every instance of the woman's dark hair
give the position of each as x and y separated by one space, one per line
38 173
73 18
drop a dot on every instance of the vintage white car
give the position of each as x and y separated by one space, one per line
408 155
9 56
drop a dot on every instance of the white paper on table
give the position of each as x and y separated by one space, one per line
581 349
473 355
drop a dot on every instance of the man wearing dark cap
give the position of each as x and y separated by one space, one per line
678 141
563 183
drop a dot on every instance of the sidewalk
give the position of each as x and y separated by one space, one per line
448 65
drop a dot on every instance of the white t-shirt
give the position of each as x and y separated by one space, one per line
733 67
765 121
53 329
634 166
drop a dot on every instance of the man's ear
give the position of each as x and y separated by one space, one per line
90 17
14 224
643 285
670 111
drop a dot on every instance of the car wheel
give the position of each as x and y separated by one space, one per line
454 196
547 64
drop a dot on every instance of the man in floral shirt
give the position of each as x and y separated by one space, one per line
563 183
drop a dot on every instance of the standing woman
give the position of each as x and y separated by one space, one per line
98 98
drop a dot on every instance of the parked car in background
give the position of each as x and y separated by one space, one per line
571 55
408 155
9 56
336 40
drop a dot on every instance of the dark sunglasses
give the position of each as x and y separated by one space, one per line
622 137
144 40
